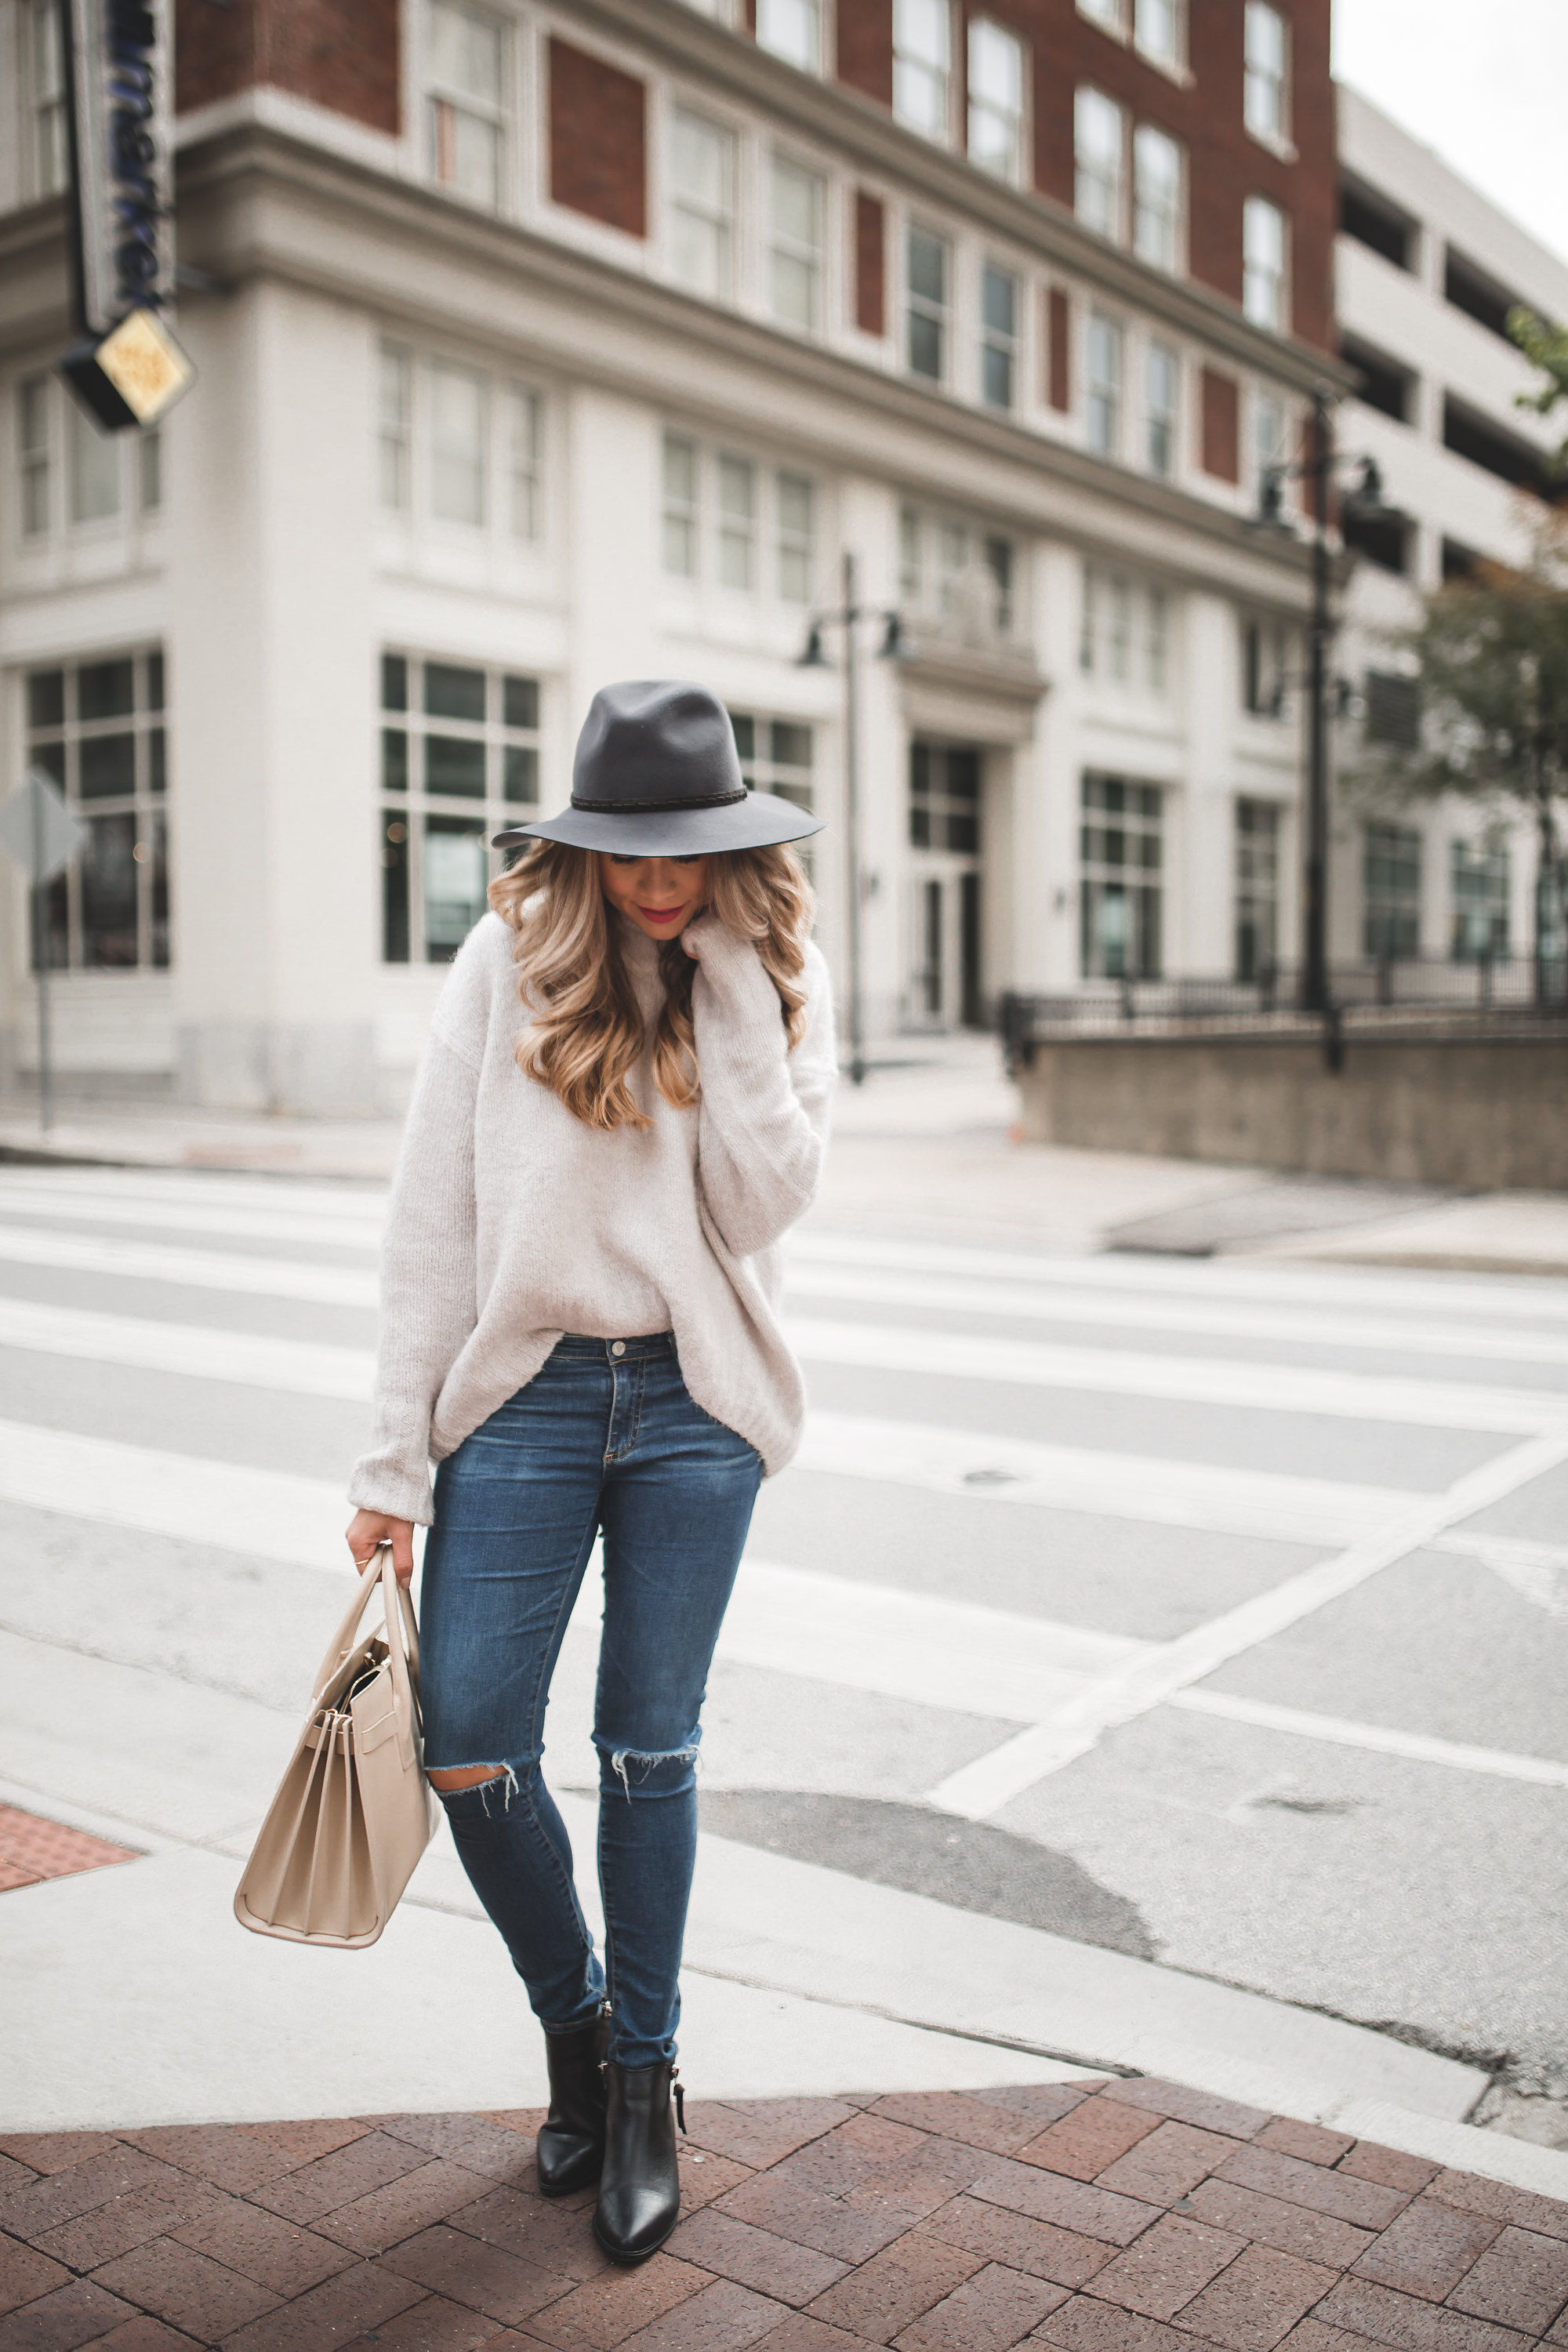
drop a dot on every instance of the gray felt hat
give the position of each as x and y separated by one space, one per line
656 776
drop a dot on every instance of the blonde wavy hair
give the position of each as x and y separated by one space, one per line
587 1029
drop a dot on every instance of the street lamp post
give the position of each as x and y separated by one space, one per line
1318 468
848 619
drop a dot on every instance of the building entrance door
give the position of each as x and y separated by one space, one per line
946 988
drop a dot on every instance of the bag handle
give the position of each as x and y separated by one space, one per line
398 1613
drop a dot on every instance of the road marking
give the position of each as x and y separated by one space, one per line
1061 1303
1185 1379
982 1788
1523 1297
1374 1736
1538 1572
281 1193
973 1466
257 1277
1140 1487
240 1223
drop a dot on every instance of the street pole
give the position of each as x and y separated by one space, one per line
1315 944
41 934
852 816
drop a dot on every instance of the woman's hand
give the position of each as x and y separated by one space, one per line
368 1528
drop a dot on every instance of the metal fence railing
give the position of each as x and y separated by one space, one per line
1418 996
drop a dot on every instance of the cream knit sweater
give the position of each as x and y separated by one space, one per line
512 1222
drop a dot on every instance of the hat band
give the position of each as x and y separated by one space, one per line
657 808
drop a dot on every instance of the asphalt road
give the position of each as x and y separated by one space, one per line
1211 1614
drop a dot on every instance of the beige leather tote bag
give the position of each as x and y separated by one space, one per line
354 1811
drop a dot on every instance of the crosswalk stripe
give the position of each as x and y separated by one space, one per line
1061 1303
239 1223
258 1277
283 1194
1187 1380
1528 1298
1378 1739
949 1461
984 1787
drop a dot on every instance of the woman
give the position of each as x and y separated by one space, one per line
622 1109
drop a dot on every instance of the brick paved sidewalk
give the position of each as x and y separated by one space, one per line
1131 2217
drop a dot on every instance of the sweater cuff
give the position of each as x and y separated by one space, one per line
378 1485
733 970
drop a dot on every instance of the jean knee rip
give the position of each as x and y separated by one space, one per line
645 1761
502 1781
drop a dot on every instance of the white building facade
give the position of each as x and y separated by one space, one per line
593 359
1426 274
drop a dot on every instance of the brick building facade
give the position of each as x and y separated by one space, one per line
542 344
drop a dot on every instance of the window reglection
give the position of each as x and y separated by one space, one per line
776 756
792 30
1478 874
1157 31
923 64
1162 379
1156 198
1098 141
1263 263
451 733
1263 104
1257 888
33 454
1268 438
796 507
1103 405
680 506
794 256
1121 855
463 77
51 158
926 264
396 418
996 98
737 523
457 431
1126 634
1111 13
702 203
97 729
998 336
1390 892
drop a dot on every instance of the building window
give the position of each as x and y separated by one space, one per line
1156 198
1264 665
1257 888
796 510
1121 853
97 729
945 798
522 460
463 98
998 336
1390 892
680 506
792 30
996 554
1479 875
457 429
776 756
737 523
396 427
92 467
1157 32
33 454
1099 149
1125 638
701 202
1263 263
1393 704
995 99
923 64
1268 431
51 154
1263 102
459 758
795 249
1162 403
1110 14
1103 406
926 304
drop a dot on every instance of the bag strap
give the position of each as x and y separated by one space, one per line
401 1625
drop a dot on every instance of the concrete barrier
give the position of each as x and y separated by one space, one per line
1480 1113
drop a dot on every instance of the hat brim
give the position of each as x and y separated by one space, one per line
759 821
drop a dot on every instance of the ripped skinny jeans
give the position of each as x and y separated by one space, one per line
597 1439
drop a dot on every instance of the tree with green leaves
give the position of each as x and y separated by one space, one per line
1491 657
1545 346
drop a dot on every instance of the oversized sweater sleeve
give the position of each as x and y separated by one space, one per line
763 1111
429 1284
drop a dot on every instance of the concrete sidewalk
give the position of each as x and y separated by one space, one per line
1075 2215
925 1146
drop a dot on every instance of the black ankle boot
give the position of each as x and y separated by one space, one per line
570 2144
639 2187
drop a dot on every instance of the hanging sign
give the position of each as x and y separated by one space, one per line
127 368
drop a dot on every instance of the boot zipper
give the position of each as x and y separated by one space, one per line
680 2098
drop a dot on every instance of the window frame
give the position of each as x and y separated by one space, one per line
933 311
57 745
1004 345
1254 209
436 94
406 446
1254 880
1138 824
1392 899
1089 99
934 124
790 544
1171 218
1104 397
780 246
1156 420
1480 881
1013 173
721 220
1275 134
680 510
35 467
48 161
813 10
1176 64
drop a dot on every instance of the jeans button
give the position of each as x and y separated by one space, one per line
618 1347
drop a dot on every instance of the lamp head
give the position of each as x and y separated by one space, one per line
814 657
